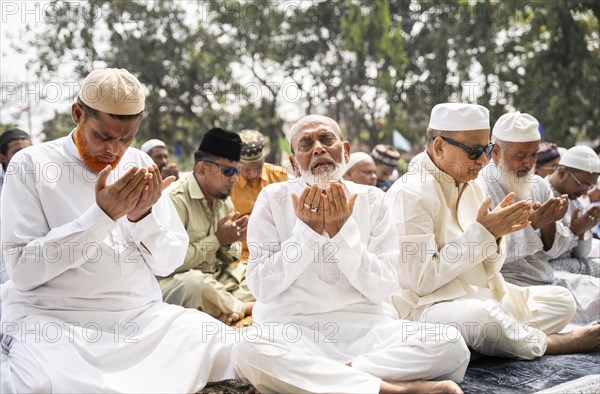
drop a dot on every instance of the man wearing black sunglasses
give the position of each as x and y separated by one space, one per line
452 245
207 280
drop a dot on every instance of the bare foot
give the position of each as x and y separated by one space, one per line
421 387
228 318
584 339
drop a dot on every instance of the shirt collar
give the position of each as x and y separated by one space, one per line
263 177
442 177
194 188
450 189
72 148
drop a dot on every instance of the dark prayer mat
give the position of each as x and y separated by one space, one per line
232 386
502 376
496 375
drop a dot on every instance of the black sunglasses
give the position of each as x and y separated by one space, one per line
473 151
227 171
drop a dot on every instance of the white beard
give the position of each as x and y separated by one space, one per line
323 179
521 186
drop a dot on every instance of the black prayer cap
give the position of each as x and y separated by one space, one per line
221 143
548 151
11 135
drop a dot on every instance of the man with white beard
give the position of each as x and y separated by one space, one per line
516 138
453 246
322 270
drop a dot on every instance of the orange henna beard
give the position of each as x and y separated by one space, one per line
86 154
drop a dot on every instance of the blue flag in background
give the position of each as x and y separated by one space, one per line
177 149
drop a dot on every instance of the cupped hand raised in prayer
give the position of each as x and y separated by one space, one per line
582 223
549 212
119 198
150 194
231 228
506 217
324 211
133 194
337 209
309 207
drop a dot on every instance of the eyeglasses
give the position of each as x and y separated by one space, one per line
473 151
227 171
582 185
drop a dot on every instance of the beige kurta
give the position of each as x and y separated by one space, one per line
205 280
447 257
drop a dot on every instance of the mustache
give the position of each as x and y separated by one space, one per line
88 158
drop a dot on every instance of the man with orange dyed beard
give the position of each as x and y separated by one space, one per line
85 229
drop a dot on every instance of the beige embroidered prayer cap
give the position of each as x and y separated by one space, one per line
113 91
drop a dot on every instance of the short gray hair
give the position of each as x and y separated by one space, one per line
432 134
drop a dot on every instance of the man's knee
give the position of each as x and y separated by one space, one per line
482 322
191 279
257 344
185 290
559 302
566 300
19 372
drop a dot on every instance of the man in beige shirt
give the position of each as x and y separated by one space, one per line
255 175
207 280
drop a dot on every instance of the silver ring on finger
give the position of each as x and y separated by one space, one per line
307 206
314 209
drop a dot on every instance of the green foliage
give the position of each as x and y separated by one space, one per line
539 57
375 66
7 126
59 126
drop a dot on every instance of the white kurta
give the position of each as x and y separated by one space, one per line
82 308
333 293
527 263
526 260
3 273
449 267
575 258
